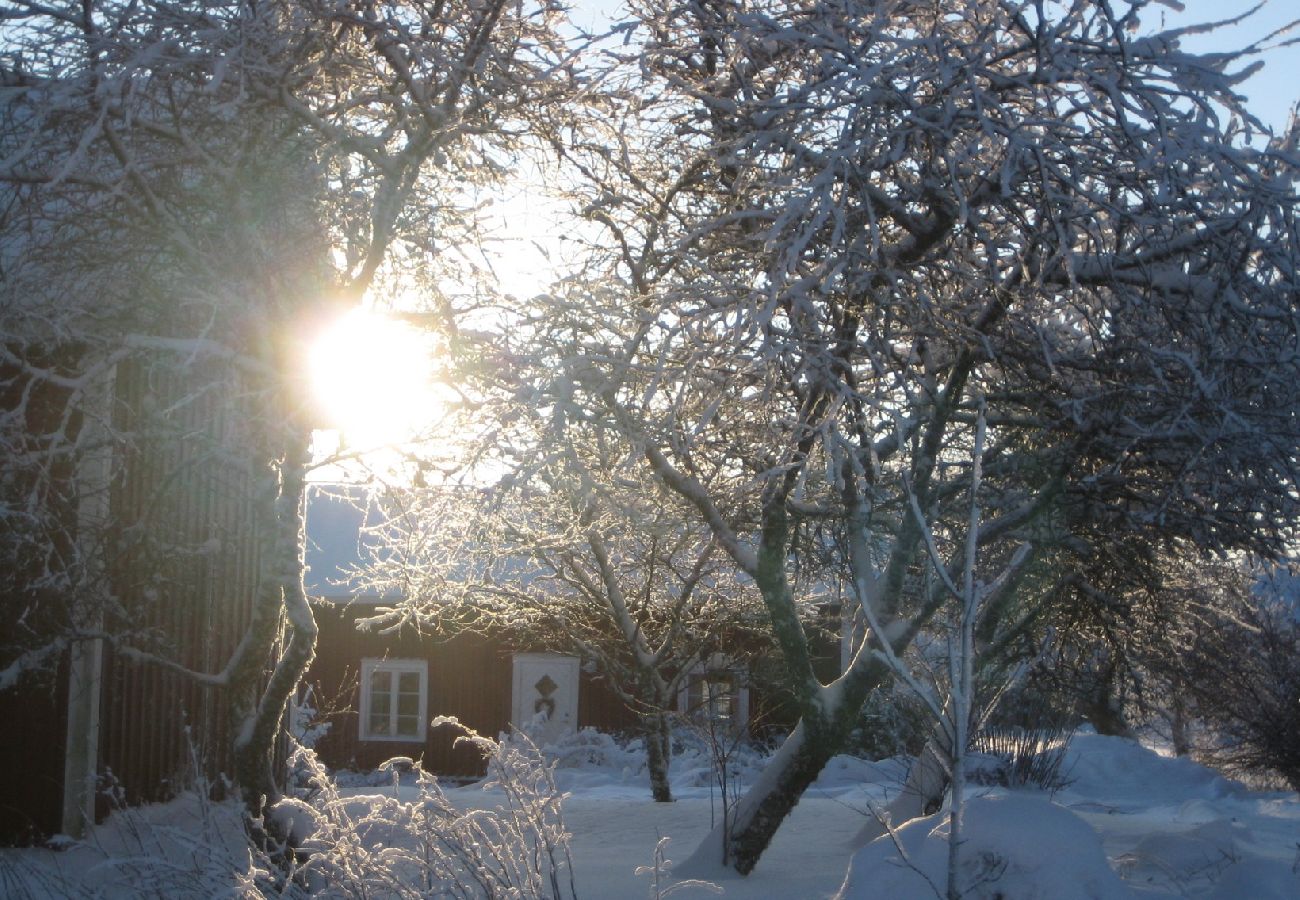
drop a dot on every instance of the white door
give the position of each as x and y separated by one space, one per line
545 695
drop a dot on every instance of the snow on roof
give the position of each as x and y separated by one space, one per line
347 529
340 519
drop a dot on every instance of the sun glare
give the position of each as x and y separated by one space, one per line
372 379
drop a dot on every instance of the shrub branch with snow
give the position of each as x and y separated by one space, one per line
414 842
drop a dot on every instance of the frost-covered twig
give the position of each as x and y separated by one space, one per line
661 884
415 842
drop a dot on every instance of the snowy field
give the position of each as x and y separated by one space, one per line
1131 823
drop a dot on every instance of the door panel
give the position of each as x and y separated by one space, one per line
545 701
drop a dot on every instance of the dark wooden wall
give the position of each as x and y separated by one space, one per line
31 758
185 565
38 480
469 677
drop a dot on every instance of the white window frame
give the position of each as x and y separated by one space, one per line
371 666
718 663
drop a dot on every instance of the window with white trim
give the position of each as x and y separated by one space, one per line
394 699
715 695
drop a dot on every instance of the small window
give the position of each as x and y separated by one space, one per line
715 697
394 699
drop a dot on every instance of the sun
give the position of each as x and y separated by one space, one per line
372 379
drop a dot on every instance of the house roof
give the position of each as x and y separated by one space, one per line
341 523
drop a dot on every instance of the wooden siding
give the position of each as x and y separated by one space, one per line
34 712
469 677
31 758
184 566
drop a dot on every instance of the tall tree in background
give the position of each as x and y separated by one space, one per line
576 562
845 228
204 182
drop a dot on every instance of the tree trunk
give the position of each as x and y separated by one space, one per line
666 735
258 718
658 747
759 813
1105 708
1178 725
756 822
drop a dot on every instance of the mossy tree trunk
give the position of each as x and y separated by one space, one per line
658 753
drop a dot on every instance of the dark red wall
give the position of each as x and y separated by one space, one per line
33 721
469 678
31 758
185 567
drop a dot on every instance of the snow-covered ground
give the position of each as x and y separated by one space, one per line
1130 823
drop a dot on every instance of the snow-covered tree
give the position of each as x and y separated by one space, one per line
578 558
844 227
190 187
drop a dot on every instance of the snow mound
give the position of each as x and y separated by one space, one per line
1182 859
1016 845
1104 767
1258 879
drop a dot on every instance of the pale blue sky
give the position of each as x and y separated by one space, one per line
1272 92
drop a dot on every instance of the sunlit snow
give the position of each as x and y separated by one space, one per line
1131 823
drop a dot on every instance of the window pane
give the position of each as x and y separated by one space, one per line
695 693
408 704
395 700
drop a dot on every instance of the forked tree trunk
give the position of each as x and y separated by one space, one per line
738 844
828 713
258 714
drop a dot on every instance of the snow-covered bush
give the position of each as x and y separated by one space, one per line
701 757
407 842
590 748
413 842
306 725
187 849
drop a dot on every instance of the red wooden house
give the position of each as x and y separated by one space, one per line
381 691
